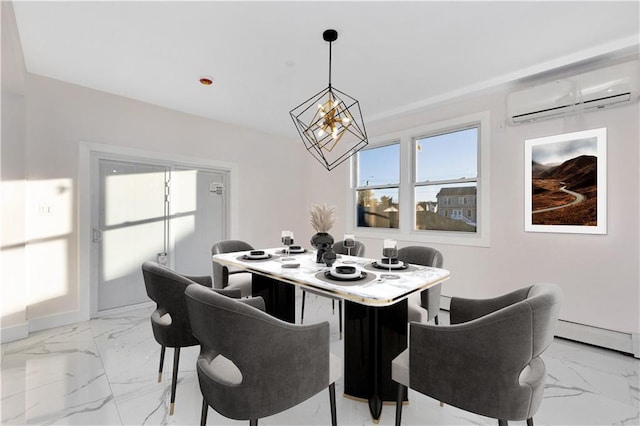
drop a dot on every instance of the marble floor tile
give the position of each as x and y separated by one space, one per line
104 372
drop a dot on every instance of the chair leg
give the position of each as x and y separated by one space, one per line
161 363
333 307
203 414
332 403
340 317
399 401
530 421
304 296
174 379
502 422
253 422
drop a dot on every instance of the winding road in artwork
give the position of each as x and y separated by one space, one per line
579 199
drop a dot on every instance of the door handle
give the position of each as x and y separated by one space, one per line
97 235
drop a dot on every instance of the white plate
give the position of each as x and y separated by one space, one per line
355 274
257 256
398 265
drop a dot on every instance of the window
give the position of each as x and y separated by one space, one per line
430 185
378 187
446 175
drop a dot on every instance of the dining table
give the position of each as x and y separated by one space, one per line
375 299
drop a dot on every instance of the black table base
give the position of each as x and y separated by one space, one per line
374 336
279 297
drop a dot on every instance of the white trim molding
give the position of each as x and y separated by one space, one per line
406 138
14 332
89 150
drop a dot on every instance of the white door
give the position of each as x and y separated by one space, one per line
198 217
158 212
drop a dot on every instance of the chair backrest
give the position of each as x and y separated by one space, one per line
421 255
220 272
490 364
252 365
358 250
425 256
166 288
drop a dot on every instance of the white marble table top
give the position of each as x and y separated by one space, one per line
376 292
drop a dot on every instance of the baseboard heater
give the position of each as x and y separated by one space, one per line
627 343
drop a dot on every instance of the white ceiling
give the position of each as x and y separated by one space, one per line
268 57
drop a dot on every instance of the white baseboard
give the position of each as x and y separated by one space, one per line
55 320
14 332
21 331
618 341
610 339
122 309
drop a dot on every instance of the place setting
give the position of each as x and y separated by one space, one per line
289 249
345 275
389 262
257 255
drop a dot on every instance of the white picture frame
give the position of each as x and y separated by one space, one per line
565 183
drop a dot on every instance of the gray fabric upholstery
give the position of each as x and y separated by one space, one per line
487 361
170 320
166 288
425 306
224 277
278 364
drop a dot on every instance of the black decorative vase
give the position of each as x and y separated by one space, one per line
321 242
329 257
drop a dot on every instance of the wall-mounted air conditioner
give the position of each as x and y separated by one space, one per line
602 88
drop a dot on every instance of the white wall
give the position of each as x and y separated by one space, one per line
13 306
598 273
278 182
61 115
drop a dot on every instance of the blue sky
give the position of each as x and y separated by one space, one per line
441 157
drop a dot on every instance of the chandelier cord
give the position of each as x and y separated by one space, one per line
330 64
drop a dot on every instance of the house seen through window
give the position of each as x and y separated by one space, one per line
445 181
442 194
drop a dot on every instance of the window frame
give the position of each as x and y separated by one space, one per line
406 190
356 180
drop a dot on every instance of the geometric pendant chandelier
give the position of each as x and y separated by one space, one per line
330 122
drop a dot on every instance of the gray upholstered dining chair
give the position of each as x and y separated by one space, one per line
170 321
488 360
338 248
252 365
223 277
425 306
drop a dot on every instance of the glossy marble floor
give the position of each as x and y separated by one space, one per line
104 371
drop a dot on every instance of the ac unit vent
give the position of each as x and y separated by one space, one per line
603 88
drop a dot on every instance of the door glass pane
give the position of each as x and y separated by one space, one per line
132 223
197 217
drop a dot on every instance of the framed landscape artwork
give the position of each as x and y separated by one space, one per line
565 183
